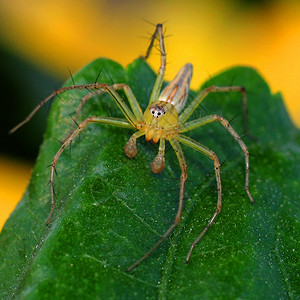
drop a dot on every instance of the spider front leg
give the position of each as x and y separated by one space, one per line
134 105
102 120
130 116
180 156
201 148
214 89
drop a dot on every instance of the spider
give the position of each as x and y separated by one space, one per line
165 118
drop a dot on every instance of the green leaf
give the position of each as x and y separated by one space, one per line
110 209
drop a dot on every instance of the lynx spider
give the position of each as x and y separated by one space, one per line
164 119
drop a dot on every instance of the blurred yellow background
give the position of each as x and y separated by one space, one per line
213 35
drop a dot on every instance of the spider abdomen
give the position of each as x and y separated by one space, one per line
177 91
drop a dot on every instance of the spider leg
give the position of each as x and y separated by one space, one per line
213 118
136 109
180 156
79 108
163 61
206 151
214 89
102 120
93 86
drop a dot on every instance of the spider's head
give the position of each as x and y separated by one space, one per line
157 111
161 119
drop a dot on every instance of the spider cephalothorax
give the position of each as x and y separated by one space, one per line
160 121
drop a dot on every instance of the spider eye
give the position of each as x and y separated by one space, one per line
157 111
